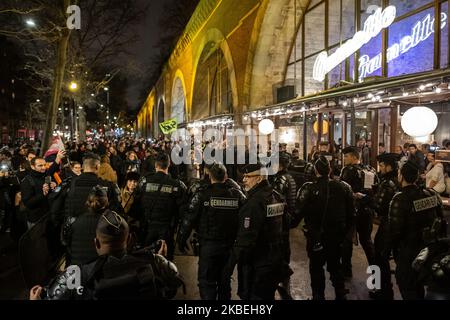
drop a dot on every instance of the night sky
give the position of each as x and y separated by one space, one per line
143 50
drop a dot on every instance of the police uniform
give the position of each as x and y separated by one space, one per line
386 190
328 209
413 223
355 175
213 212
284 184
142 275
259 242
163 201
77 194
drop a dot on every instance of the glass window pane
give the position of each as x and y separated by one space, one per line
298 46
335 34
411 44
370 58
337 74
315 30
444 35
384 128
405 6
371 52
311 85
290 76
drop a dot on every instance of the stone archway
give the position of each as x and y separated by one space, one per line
213 45
178 101
274 36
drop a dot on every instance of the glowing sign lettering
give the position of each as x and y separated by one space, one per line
372 27
421 31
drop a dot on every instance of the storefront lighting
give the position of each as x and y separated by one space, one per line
266 126
370 96
419 121
438 90
254 115
324 127
382 18
423 139
355 100
374 99
345 104
405 94
422 87
92 95
289 111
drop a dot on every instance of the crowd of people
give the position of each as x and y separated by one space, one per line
140 208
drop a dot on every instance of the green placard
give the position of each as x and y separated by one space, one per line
168 126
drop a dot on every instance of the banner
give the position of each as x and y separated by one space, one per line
168 126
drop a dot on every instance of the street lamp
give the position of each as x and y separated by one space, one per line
73 87
30 23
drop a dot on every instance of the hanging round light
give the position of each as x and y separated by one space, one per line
266 126
419 121
324 127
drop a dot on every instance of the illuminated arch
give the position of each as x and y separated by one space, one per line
178 98
216 37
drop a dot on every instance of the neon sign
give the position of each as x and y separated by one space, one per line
381 19
421 31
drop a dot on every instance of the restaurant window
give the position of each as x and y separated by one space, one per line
384 128
406 6
315 30
411 44
444 35
311 86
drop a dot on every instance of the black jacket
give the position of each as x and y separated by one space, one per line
387 188
79 190
285 185
81 248
327 207
138 276
33 197
412 214
163 201
213 212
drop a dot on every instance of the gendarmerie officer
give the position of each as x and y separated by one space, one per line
283 182
259 244
81 186
361 178
115 274
213 212
163 201
386 190
415 220
328 208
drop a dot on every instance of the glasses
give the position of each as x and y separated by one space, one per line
118 223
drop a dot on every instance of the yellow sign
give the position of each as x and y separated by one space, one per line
168 126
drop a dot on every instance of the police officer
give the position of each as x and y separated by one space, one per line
386 190
259 242
115 274
164 202
328 208
81 186
415 220
433 267
361 178
284 184
213 212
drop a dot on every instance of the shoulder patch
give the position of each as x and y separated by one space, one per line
274 210
425 203
224 203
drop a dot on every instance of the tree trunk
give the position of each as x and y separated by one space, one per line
60 68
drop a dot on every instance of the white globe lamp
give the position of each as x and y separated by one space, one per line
266 126
419 121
